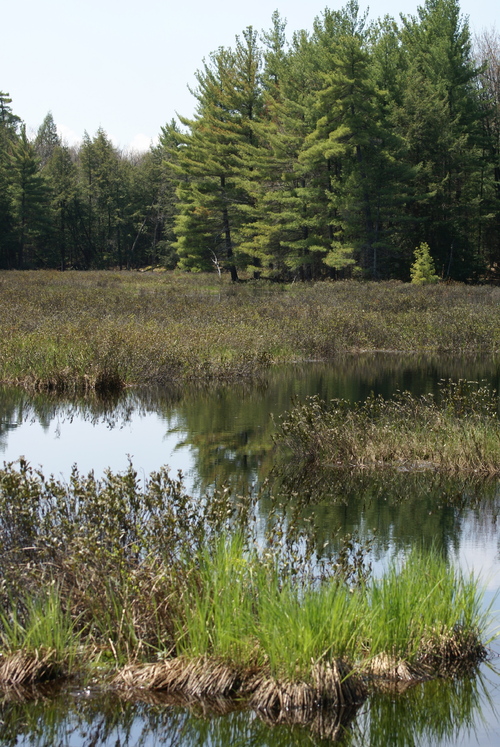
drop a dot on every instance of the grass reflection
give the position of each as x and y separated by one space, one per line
440 712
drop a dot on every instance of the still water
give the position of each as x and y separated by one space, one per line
225 435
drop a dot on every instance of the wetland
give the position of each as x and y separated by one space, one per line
208 499
225 437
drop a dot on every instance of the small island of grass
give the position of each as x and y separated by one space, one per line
164 592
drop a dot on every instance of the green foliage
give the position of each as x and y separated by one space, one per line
332 154
422 270
413 606
40 623
29 201
212 158
129 571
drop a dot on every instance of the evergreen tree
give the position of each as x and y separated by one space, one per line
153 207
440 119
351 146
487 56
423 270
47 139
104 180
9 132
211 158
61 174
285 213
30 202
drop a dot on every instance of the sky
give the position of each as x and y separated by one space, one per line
126 65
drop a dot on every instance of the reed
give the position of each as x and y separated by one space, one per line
423 616
38 638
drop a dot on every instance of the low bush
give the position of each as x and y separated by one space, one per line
457 431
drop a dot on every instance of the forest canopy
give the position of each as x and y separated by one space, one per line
332 152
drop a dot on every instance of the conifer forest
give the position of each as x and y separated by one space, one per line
332 152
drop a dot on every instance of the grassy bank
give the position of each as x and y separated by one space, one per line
458 431
185 596
104 330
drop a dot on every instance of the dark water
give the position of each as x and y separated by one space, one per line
225 435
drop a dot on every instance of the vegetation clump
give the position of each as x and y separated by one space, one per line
455 432
185 596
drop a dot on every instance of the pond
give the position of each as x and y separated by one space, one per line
224 435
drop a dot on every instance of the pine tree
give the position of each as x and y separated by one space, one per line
154 205
29 200
278 234
104 181
211 158
350 148
423 270
61 174
47 139
9 133
440 119
487 57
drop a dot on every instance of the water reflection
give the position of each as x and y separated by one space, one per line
440 712
221 434
444 711
395 510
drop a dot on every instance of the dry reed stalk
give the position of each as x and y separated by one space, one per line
204 707
196 678
449 653
389 669
21 668
328 723
330 684
45 691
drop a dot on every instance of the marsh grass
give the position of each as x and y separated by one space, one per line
80 331
457 431
192 599
295 648
38 623
422 614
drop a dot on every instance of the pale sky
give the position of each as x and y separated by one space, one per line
125 65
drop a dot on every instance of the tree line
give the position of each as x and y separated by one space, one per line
334 153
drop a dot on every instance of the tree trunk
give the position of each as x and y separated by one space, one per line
227 238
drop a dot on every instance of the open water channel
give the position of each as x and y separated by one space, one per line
224 434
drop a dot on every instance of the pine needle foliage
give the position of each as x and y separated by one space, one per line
423 270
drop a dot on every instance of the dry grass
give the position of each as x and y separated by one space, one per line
22 668
331 684
457 431
201 677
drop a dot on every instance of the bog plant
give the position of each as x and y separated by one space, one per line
101 331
